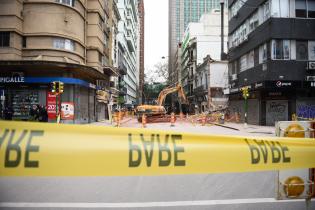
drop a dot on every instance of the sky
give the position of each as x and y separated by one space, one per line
156 33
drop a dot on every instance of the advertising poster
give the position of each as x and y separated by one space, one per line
67 111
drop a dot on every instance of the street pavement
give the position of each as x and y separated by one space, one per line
208 191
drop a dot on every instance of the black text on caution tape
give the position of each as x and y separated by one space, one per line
13 149
167 150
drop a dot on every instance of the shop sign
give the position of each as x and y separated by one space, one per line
51 105
15 79
311 65
67 110
283 84
258 85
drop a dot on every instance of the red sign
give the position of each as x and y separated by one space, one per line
51 106
67 111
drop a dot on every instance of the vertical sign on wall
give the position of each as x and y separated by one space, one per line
51 106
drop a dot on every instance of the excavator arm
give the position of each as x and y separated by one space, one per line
170 90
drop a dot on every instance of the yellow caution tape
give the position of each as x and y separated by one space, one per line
34 149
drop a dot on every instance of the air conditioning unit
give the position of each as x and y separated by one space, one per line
310 78
234 77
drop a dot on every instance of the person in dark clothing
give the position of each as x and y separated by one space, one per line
33 113
8 113
43 114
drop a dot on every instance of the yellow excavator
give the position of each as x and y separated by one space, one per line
156 111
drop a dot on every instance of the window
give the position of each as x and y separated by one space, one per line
300 8
250 59
23 41
65 44
280 49
243 63
266 11
67 2
4 39
311 50
311 8
277 49
100 57
301 50
263 53
253 22
286 49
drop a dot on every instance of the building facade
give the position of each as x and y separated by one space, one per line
141 50
181 13
210 81
128 39
55 40
114 18
200 39
272 52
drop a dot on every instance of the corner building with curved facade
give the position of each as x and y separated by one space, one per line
55 40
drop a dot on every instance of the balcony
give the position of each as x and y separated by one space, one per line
110 71
123 91
122 69
130 43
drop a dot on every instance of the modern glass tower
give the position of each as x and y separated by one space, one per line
181 13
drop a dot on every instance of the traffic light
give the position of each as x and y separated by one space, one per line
60 87
57 87
245 92
53 87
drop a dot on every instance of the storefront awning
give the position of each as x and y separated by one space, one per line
51 67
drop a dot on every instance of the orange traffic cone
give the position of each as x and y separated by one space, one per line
181 115
144 121
172 119
118 119
203 120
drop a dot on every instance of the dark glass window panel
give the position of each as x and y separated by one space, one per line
300 8
301 50
311 8
4 39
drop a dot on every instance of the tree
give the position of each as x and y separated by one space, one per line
152 91
158 74
161 69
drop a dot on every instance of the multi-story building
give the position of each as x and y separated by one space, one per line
114 18
55 40
141 50
200 39
272 52
210 81
181 13
127 38
175 77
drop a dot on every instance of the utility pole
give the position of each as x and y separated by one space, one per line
222 30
